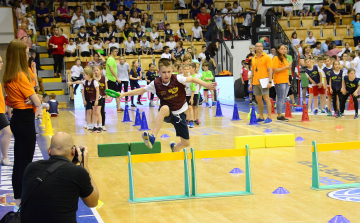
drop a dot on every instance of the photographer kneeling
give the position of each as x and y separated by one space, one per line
54 197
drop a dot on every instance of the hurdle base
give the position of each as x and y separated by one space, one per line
222 194
155 199
336 186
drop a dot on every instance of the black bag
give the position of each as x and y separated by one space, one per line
14 217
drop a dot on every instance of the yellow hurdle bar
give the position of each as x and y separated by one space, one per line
337 146
156 157
219 153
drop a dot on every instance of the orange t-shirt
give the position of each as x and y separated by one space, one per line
32 75
2 101
259 66
283 76
18 91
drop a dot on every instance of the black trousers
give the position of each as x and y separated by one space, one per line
246 91
126 86
102 111
356 40
133 85
77 79
343 102
58 63
23 127
70 54
334 94
85 54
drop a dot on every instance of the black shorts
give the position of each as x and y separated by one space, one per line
4 122
179 123
101 102
195 103
206 89
89 105
112 85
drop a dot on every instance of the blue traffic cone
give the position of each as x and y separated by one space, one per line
235 114
126 117
339 219
137 118
253 120
144 125
218 110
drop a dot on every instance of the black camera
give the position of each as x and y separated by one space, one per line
75 159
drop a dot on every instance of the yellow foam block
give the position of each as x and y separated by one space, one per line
282 140
254 141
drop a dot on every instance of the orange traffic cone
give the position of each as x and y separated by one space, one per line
43 120
272 106
351 103
305 115
48 126
288 110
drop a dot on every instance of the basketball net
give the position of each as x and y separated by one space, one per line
298 4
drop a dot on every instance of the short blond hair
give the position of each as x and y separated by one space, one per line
88 70
164 62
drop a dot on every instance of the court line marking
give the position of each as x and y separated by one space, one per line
299 127
97 216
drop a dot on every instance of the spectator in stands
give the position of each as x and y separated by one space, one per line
70 50
120 23
88 9
77 21
205 21
41 13
212 10
324 46
305 11
113 5
63 12
356 8
181 33
300 47
106 7
18 13
110 33
154 34
213 47
99 46
178 52
127 30
46 25
84 48
322 17
166 54
145 46
171 44
105 20
332 11
333 51
147 22
195 8
22 35
23 6
356 26
236 8
93 34
52 17
272 52
197 34
98 60
311 40
82 34
295 40
113 43
231 24
121 12
129 46
316 50
138 34
347 49
128 4
56 198
134 9
317 9
134 20
288 11
227 8
181 4
207 2
57 43
92 20
157 47
168 32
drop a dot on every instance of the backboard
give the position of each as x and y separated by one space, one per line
288 2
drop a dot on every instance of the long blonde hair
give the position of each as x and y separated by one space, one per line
16 61
135 74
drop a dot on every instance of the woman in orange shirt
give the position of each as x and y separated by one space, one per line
4 128
22 97
281 79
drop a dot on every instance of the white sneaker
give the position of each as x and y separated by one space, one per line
104 128
6 162
85 126
89 127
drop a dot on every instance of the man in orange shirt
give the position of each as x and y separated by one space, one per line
261 68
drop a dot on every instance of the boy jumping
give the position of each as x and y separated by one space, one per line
170 89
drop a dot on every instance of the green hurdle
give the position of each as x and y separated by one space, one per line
315 163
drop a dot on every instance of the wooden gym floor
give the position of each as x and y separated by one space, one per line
270 168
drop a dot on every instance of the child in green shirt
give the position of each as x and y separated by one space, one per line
207 76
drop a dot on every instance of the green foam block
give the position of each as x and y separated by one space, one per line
113 149
141 148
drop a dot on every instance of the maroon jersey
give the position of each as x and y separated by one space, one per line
102 86
90 91
173 95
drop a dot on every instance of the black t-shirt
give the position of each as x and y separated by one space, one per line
314 74
56 198
327 72
151 75
336 79
351 86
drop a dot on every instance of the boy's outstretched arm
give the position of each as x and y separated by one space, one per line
209 85
138 91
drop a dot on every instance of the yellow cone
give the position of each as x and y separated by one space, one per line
100 204
43 120
249 115
48 126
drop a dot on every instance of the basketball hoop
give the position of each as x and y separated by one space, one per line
298 4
